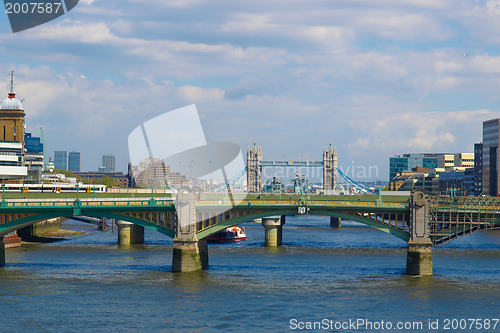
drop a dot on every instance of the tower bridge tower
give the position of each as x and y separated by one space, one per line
255 163
330 168
254 169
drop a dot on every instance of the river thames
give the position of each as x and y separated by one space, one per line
320 276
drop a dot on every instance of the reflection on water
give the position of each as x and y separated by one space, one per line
89 283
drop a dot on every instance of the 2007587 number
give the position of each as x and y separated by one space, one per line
33 8
471 324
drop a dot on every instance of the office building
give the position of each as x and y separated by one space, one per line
119 178
74 161
34 164
108 162
490 157
61 160
459 160
446 160
12 168
32 144
33 158
408 162
478 168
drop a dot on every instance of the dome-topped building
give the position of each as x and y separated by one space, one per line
12 116
11 102
12 167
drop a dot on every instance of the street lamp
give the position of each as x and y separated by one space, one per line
191 181
210 171
180 174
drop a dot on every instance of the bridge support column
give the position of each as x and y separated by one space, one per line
189 255
2 252
274 230
335 222
129 233
419 258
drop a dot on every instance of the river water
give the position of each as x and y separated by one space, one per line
331 278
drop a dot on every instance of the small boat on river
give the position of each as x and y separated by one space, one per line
228 235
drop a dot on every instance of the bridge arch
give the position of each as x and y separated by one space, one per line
291 211
370 222
32 219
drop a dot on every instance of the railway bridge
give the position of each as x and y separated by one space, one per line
421 220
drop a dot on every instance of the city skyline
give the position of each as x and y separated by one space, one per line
374 80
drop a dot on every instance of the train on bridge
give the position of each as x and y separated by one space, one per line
54 188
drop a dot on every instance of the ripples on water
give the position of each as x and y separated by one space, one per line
88 283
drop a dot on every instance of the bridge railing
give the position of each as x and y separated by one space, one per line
451 217
466 203
85 202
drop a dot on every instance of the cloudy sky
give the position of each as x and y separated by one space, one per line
376 78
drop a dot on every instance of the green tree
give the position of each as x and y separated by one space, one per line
108 181
68 173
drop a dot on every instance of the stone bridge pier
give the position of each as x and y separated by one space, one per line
190 254
274 230
335 222
419 255
129 233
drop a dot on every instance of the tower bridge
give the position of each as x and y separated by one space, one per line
421 220
255 165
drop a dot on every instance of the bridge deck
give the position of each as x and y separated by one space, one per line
449 217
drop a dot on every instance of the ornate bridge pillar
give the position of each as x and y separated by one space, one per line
190 254
274 230
419 256
129 233
2 252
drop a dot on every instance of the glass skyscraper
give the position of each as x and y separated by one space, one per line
74 161
108 163
490 157
61 160
409 161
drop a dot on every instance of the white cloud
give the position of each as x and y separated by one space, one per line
198 94
171 3
75 32
402 26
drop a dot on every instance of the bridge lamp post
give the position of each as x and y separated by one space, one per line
379 188
191 181
210 171
180 174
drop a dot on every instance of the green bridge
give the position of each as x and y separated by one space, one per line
420 220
